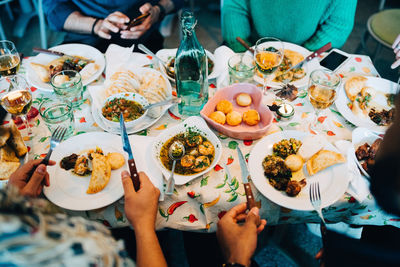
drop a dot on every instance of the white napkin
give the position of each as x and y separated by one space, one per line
98 94
222 55
358 184
116 57
141 145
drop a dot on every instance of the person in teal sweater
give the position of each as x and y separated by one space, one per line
309 23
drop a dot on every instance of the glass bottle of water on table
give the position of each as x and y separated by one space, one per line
191 69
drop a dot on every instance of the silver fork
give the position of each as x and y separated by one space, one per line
315 199
56 138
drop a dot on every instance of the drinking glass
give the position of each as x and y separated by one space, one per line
268 55
322 91
16 97
9 59
241 68
67 85
56 112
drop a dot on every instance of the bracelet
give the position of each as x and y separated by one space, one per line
162 12
94 25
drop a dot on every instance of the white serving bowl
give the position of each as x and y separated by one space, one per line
128 96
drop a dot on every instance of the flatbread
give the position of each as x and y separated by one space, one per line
42 71
89 70
322 160
293 56
4 135
7 168
8 154
16 141
101 173
353 86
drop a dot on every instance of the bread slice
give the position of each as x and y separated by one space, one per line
353 86
16 141
42 71
7 168
8 154
322 160
4 135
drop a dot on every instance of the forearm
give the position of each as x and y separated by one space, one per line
148 250
76 22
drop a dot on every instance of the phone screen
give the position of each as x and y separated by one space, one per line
333 60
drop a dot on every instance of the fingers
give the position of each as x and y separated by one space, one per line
261 226
110 26
36 179
396 64
51 162
118 17
103 34
241 217
396 42
145 8
253 217
30 165
127 184
235 211
47 179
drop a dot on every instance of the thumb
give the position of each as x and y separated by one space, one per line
253 217
145 8
127 183
36 178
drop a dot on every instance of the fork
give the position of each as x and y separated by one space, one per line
315 199
56 138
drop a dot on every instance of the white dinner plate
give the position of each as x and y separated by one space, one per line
308 67
333 180
167 54
198 124
68 190
69 49
380 85
361 136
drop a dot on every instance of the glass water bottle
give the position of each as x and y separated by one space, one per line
191 69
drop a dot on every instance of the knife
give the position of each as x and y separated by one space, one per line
127 148
310 57
251 202
56 53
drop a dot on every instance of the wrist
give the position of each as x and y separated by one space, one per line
96 26
237 259
161 11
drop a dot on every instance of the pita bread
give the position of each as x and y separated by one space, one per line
322 160
101 173
8 154
293 56
7 168
16 141
4 135
89 70
42 71
353 86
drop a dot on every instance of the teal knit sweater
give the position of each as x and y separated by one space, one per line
310 23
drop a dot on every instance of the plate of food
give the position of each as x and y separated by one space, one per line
237 111
13 151
293 54
367 102
202 150
145 82
283 164
85 59
365 143
168 56
87 174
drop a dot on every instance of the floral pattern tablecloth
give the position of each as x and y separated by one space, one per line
198 205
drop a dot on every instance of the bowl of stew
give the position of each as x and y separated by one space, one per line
130 104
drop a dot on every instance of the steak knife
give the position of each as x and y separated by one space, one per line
251 202
127 148
56 53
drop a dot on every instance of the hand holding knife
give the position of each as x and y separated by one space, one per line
251 202
127 148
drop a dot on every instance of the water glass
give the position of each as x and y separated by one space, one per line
67 85
241 68
55 112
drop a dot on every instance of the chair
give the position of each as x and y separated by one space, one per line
383 27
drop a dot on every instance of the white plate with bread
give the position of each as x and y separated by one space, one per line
359 95
318 157
38 74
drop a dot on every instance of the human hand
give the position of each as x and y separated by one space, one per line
141 206
396 50
238 242
137 31
112 23
30 181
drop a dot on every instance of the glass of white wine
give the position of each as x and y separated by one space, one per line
322 92
16 97
9 59
268 55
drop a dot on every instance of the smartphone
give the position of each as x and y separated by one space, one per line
335 59
138 20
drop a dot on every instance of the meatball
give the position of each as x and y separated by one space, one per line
194 140
293 188
206 148
201 163
187 161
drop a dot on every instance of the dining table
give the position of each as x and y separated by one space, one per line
200 203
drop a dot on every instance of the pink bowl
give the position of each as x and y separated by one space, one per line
241 131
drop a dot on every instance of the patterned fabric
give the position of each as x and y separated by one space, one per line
198 205
33 232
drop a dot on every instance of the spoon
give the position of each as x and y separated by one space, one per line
165 102
169 70
175 152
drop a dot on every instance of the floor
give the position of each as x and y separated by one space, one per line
286 245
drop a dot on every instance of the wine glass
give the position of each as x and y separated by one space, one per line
9 59
322 92
16 97
268 55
